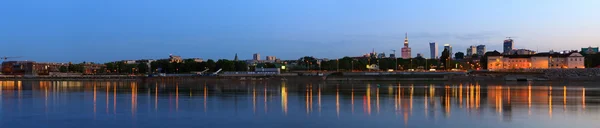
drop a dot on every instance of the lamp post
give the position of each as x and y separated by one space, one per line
352 66
338 64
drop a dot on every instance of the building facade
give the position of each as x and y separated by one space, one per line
447 46
175 59
406 51
508 46
549 60
590 50
271 58
256 56
521 52
19 68
481 50
433 49
471 50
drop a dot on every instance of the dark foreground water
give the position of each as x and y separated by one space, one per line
128 104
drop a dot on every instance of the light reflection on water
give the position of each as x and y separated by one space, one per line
296 104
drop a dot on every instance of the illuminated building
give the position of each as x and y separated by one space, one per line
256 56
590 50
406 51
449 48
508 45
480 50
271 58
433 49
497 61
471 50
175 59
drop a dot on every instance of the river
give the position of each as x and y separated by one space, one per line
295 104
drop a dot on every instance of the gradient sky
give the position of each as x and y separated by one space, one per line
107 30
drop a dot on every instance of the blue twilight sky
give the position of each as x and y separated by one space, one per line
107 30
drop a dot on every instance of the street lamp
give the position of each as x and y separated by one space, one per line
338 64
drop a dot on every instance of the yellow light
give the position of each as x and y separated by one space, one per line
283 67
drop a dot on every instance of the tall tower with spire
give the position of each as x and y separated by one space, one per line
406 51
405 39
236 57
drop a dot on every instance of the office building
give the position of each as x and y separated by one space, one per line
481 50
447 46
381 55
271 58
256 56
471 50
521 52
590 50
508 46
419 55
406 51
433 49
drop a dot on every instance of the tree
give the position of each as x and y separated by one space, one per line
142 68
210 64
240 66
63 69
445 58
226 65
459 55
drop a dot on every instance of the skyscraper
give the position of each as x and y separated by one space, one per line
433 48
471 50
447 46
406 50
256 56
480 50
508 45
271 58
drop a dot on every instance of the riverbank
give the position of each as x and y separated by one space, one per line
510 75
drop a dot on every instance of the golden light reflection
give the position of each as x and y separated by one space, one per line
156 97
284 99
306 100
94 100
550 102
565 98
107 96
460 96
368 99
133 98
583 98
265 99
426 104
176 96
319 99
115 98
337 102
529 98
352 99
377 99
254 99
205 97
412 89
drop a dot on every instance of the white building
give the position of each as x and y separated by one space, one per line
497 61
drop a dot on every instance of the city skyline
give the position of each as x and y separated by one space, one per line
77 31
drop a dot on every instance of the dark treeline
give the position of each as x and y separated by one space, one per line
348 64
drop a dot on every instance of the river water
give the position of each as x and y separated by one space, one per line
294 104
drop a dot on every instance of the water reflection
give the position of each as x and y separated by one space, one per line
378 100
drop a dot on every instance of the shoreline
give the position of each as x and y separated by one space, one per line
407 77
